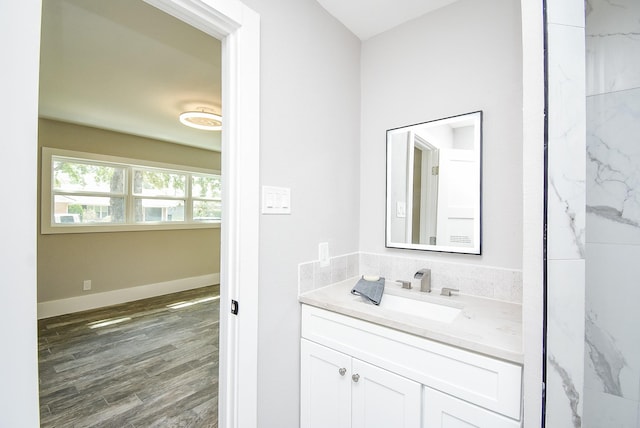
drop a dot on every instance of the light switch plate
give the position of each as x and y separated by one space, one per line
276 200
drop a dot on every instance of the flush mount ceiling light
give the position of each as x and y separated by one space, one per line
202 119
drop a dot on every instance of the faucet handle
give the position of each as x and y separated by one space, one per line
446 291
405 284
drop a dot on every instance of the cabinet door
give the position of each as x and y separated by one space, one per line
381 399
444 411
325 388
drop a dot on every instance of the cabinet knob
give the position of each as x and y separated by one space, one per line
342 371
355 377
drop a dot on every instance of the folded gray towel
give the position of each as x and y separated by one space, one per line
371 290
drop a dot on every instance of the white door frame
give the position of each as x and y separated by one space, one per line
239 29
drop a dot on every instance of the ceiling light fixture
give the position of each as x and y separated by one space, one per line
202 119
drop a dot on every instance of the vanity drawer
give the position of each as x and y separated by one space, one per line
482 380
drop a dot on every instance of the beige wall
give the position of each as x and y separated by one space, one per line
117 260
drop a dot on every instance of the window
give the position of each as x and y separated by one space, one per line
85 192
159 195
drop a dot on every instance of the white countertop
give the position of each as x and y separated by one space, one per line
487 326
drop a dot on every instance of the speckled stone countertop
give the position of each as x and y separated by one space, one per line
491 327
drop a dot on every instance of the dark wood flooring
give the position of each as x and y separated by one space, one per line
158 368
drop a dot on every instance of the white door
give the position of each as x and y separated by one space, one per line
444 411
325 388
381 399
458 199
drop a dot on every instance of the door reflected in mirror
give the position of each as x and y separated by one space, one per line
434 185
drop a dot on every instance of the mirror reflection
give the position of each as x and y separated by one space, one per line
434 185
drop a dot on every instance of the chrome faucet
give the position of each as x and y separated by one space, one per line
424 275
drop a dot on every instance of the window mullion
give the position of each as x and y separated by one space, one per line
131 212
188 199
96 194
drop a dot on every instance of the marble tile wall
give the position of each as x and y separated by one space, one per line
612 352
566 214
489 282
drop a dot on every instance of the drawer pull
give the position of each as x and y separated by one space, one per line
342 371
355 377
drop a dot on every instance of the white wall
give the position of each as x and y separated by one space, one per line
461 58
533 151
310 112
18 119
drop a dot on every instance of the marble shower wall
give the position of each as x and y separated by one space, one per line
612 352
566 214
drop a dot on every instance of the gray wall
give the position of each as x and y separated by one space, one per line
309 135
310 114
458 59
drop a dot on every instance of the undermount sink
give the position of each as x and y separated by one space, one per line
419 308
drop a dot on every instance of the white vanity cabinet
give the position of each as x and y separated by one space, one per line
402 380
339 391
325 387
445 411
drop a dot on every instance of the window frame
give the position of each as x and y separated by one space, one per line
47 225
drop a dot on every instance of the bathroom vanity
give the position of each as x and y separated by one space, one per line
421 360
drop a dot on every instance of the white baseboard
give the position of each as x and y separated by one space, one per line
53 308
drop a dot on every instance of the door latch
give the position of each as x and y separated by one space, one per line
234 307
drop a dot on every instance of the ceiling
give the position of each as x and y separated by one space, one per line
126 66
368 18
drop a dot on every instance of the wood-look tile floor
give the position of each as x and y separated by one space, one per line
157 368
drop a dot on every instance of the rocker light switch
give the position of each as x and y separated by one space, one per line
276 200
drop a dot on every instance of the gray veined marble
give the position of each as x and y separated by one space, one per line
570 390
606 358
612 349
612 214
613 45
566 172
613 153
574 221
566 214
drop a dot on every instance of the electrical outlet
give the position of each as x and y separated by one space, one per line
86 285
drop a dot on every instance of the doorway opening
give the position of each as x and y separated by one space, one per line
237 28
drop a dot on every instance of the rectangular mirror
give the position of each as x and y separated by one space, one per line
434 185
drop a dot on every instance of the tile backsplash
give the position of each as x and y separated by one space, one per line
477 280
311 275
